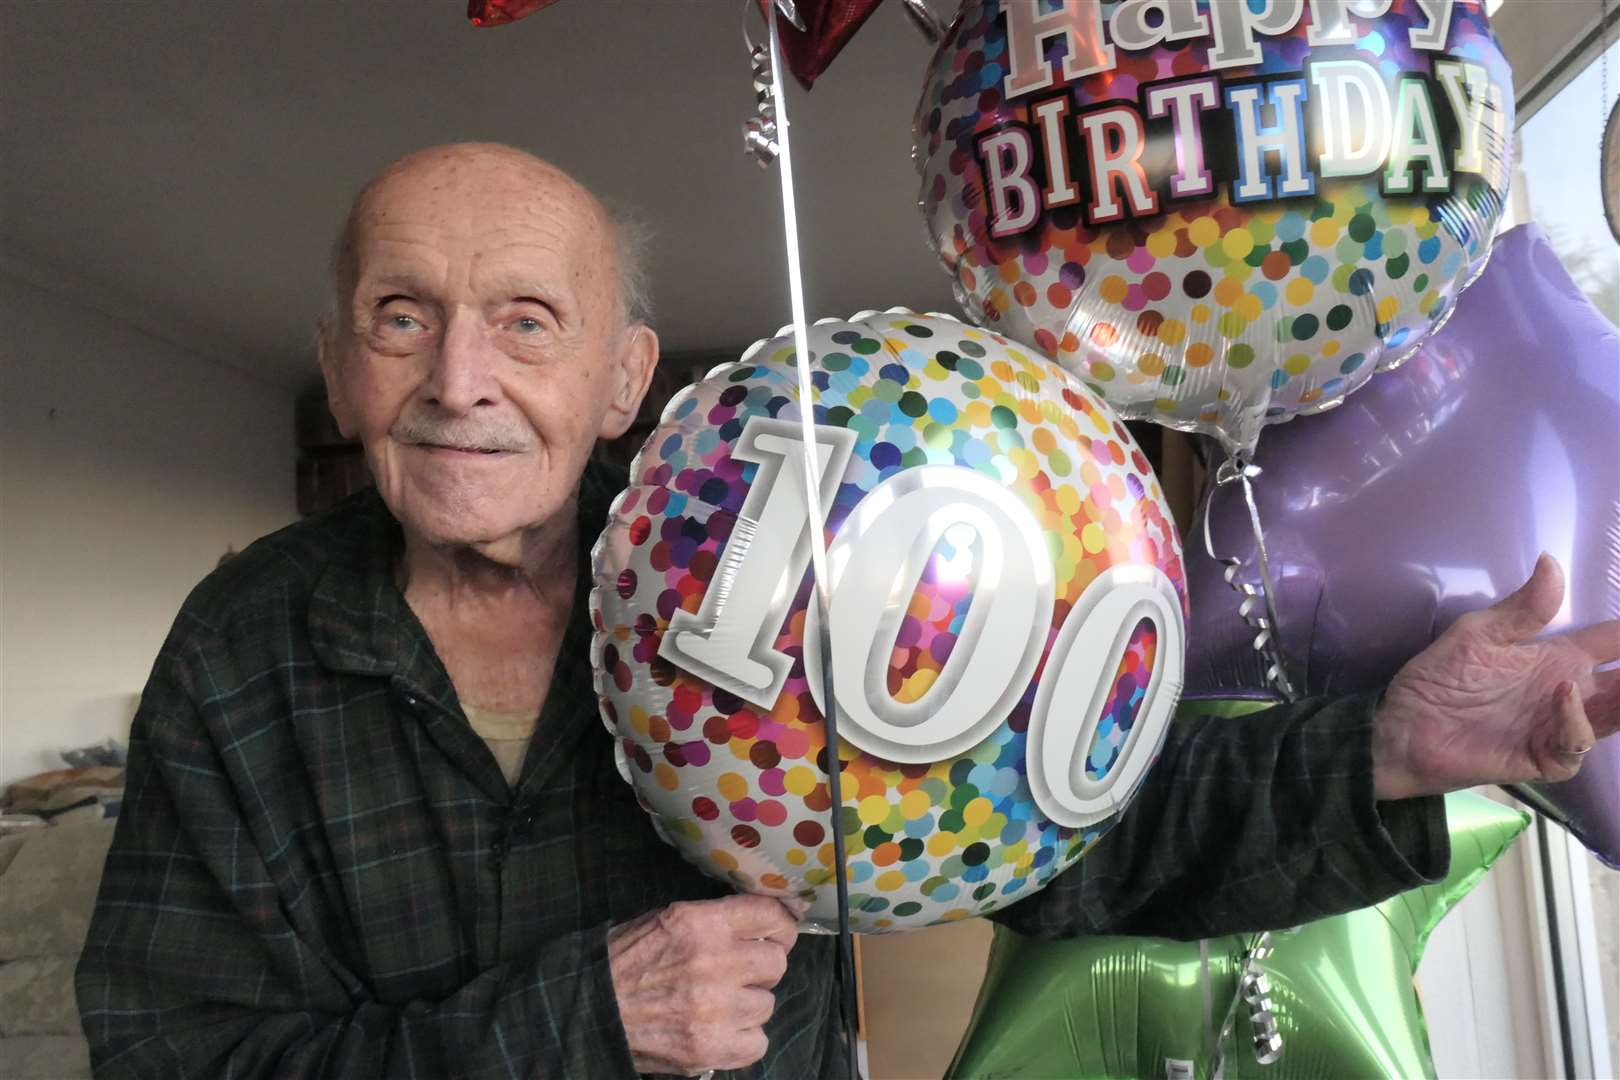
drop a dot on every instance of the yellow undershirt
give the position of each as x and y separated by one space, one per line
506 734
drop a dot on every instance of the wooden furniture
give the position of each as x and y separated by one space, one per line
330 467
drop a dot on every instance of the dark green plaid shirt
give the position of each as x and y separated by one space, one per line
319 869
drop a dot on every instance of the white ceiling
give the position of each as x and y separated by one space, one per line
184 163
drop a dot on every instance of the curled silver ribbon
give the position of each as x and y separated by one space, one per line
1264 1037
926 22
790 12
1254 991
759 130
1259 606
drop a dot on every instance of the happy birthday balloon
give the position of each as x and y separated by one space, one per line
1218 215
1004 623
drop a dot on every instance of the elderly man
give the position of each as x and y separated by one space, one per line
373 826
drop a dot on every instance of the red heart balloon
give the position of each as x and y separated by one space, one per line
501 12
828 26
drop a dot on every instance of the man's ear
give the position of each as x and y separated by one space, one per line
329 351
638 358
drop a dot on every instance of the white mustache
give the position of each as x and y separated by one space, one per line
493 434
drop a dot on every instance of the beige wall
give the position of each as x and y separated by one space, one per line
127 467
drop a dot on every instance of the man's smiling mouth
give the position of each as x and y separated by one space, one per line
485 451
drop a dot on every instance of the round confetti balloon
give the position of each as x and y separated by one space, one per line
1218 214
1004 628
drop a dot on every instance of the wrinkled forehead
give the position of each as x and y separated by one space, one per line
484 209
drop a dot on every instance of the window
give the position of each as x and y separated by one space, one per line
1558 186
1558 183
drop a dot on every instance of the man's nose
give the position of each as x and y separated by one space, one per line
463 375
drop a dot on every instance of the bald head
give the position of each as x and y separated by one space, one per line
485 338
501 171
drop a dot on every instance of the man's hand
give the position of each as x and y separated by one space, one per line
1485 704
694 981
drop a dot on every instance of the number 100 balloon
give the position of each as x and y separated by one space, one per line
1005 621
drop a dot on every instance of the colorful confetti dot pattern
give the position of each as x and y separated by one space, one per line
1124 699
742 791
1211 317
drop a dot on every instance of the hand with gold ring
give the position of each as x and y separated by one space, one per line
1491 702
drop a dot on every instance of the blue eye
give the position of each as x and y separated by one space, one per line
403 322
527 324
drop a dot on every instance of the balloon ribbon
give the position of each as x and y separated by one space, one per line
1259 607
1259 610
771 134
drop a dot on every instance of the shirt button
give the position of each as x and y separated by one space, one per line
410 699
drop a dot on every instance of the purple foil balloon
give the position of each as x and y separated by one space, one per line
1429 494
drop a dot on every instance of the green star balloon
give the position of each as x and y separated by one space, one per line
1340 989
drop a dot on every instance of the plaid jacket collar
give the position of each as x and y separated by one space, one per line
360 624
354 607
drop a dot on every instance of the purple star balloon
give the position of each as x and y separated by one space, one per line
1430 494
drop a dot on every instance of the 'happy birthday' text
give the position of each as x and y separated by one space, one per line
1269 137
